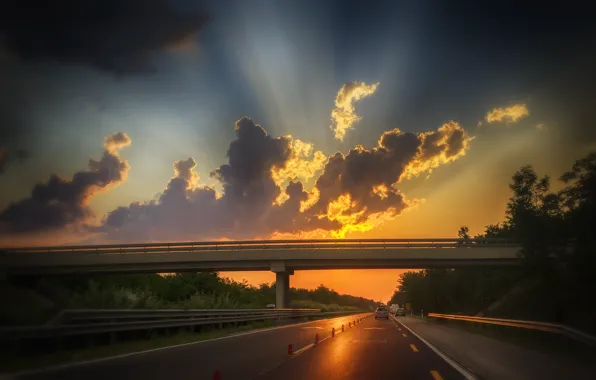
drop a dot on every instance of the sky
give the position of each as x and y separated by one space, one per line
187 121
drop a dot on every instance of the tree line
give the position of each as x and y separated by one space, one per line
38 301
557 281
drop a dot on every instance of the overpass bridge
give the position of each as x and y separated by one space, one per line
282 257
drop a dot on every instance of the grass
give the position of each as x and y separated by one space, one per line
12 363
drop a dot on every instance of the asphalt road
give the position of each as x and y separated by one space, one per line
373 350
369 350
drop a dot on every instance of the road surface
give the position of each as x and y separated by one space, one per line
369 350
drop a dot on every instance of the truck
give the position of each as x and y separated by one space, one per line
393 308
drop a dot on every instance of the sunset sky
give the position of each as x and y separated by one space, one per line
259 119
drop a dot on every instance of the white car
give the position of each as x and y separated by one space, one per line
381 312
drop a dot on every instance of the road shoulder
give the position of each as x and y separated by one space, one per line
493 359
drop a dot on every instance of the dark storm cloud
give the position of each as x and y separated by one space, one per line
246 179
113 35
60 202
248 205
370 176
244 209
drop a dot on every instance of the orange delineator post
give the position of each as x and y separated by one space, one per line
216 375
333 332
342 328
316 338
290 349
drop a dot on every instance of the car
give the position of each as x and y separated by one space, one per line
381 312
400 312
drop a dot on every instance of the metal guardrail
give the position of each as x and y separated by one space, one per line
86 322
530 325
249 245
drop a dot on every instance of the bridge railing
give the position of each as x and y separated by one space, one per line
88 322
252 245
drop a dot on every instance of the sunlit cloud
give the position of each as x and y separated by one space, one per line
344 115
185 169
302 164
511 114
444 145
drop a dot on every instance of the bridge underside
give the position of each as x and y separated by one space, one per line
253 266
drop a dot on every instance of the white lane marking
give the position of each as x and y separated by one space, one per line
466 373
296 353
16 375
374 328
316 327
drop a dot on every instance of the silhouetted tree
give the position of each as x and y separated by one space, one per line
556 231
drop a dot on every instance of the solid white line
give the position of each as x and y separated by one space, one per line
467 374
16 375
374 328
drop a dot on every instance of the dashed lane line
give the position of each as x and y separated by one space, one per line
436 375
413 348
468 374
405 335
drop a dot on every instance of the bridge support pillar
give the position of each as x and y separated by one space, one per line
282 286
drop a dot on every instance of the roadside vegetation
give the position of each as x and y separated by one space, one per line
38 301
557 282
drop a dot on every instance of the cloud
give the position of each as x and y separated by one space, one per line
354 192
244 209
510 114
303 164
360 188
344 116
444 145
118 36
59 202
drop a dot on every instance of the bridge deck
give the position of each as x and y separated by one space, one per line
259 256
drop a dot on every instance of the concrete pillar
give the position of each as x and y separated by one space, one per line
282 284
282 290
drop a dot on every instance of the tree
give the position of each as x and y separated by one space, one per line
558 249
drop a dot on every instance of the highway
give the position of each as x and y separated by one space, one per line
371 349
